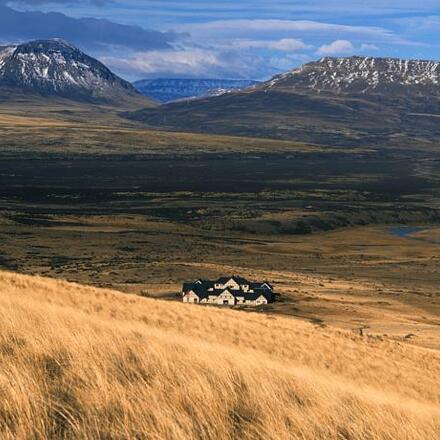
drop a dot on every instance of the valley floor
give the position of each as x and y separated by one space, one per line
360 278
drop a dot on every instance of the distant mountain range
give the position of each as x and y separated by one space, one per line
354 101
336 101
165 90
56 68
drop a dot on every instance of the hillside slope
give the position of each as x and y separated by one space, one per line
84 363
334 101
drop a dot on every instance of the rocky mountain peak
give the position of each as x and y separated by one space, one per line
55 67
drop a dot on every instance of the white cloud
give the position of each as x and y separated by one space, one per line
283 45
191 62
366 47
181 62
344 47
237 28
289 61
338 47
416 25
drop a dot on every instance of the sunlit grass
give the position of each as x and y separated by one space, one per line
84 363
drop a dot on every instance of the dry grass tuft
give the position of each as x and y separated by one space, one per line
83 363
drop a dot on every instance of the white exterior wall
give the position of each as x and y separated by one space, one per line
225 299
191 298
261 300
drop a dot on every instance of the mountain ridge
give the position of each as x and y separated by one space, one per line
356 101
360 74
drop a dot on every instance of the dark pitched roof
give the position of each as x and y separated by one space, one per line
187 287
199 289
203 293
198 284
223 280
253 296
256 286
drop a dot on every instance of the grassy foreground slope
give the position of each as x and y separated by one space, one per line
84 363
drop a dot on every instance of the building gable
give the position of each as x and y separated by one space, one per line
232 284
192 294
261 300
226 294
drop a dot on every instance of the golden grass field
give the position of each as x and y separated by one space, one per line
84 363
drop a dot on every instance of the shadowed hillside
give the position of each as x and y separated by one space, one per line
84 363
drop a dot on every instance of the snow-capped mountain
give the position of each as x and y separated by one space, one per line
363 75
54 67
171 89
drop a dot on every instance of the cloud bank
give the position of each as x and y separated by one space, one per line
90 33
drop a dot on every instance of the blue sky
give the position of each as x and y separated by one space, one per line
229 38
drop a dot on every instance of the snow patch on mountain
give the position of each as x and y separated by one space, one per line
361 74
5 53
